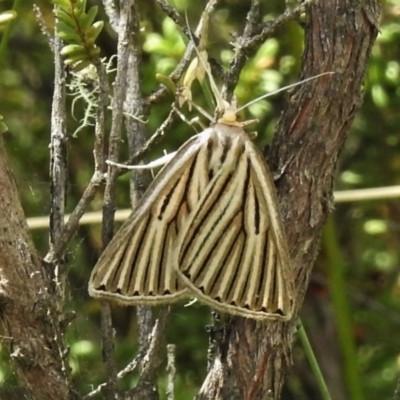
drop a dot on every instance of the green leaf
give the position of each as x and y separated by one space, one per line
79 66
73 59
79 9
94 51
7 16
93 32
69 36
66 18
3 126
66 31
88 19
167 82
73 49
66 4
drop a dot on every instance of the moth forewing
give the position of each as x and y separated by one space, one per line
232 251
135 268
281 280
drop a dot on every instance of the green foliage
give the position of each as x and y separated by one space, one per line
367 233
6 17
3 126
77 27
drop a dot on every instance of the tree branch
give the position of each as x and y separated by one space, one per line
124 32
26 299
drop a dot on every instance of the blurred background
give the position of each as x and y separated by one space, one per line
352 309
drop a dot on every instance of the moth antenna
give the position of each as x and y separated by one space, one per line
282 89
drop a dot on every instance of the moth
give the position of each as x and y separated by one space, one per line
208 227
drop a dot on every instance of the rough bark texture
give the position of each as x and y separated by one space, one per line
254 357
27 313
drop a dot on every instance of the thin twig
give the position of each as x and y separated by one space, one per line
239 59
146 387
43 27
396 395
388 192
268 28
109 192
139 181
251 39
58 150
154 139
121 374
100 126
107 336
344 196
175 16
58 187
151 356
184 62
171 371
130 367
58 174
73 220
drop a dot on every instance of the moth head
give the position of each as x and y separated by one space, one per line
229 115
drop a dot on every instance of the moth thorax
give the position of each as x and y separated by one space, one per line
229 116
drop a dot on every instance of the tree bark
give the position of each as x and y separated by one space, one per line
254 357
30 323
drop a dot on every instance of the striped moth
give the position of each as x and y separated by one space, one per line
209 222
208 227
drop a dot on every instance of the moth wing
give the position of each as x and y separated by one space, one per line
135 267
232 251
